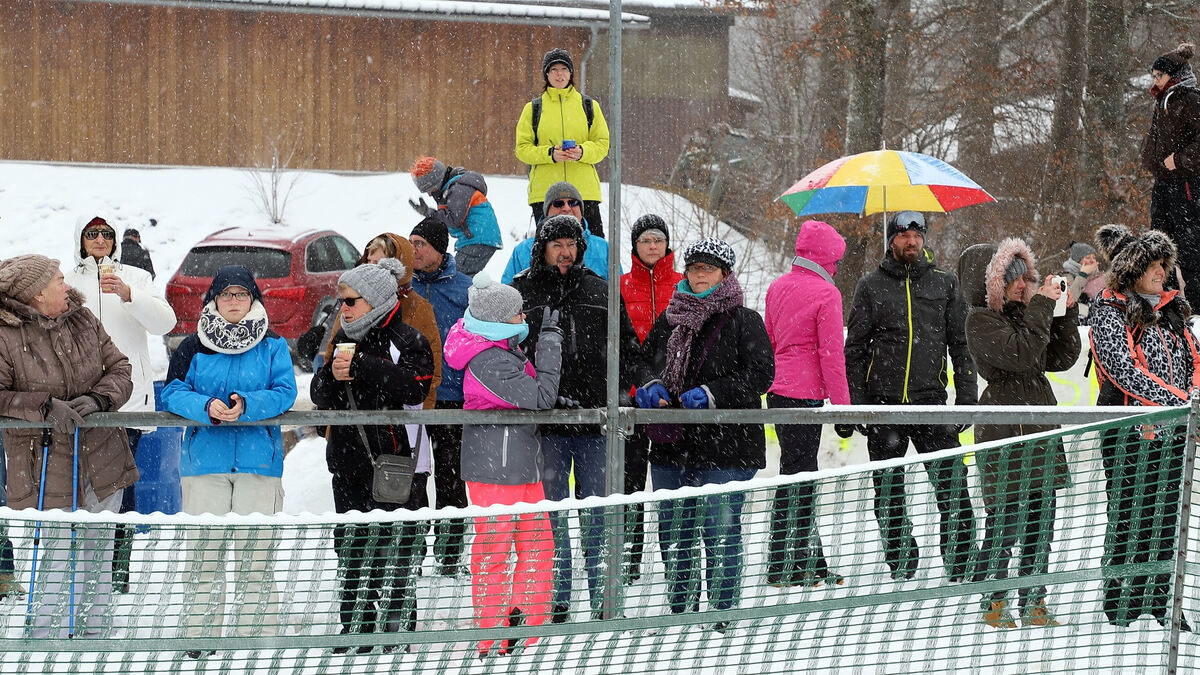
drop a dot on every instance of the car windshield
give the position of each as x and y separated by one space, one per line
268 263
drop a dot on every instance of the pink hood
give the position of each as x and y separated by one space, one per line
820 243
994 276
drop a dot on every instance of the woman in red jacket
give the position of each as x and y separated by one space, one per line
645 290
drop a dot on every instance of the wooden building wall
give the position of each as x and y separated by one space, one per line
95 82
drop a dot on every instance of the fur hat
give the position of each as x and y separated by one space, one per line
646 223
562 190
433 231
1173 62
712 251
904 221
562 226
489 300
24 276
377 283
557 55
427 173
1012 255
1130 256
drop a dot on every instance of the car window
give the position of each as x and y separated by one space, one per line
265 263
347 251
322 256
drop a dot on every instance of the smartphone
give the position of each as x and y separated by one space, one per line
567 145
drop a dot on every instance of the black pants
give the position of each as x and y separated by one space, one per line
1143 514
796 554
949 479
1175 210
123 534
591 214
449 489
637 465
377 564
1026 523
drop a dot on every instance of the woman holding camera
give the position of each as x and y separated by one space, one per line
1015 339
234 368
562 136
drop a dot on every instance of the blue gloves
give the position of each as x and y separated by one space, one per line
694 398
649 396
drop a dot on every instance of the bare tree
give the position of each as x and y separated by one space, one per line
272 185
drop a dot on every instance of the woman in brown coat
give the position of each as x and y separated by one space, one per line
57 365
1015 339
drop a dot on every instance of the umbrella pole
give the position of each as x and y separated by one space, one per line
885 241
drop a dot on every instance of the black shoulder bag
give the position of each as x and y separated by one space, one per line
393 474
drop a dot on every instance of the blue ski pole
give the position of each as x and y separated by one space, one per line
37 528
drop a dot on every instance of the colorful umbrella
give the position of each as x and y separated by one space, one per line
882 181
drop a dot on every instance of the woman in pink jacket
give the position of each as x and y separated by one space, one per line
804 322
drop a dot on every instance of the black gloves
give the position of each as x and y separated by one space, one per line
420 206
62 415
564 402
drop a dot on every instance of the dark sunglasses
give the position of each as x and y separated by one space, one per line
92 234
349 302
561 203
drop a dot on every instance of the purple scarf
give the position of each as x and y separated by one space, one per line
687 313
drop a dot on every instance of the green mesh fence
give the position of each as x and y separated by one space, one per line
896 567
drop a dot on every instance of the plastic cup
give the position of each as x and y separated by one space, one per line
345 348
107 268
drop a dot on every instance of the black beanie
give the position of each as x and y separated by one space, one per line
649 221
557 55
1175 60
433 231
905 221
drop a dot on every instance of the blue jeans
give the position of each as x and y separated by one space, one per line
589 457
719 518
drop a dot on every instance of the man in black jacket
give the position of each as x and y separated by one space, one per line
132 252
557 279
904 318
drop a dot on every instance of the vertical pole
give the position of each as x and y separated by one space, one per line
1181 533
614 441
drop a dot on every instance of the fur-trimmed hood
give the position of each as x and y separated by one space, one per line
1009 250
13 313
1131 255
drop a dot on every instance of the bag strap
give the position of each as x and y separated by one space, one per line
362 432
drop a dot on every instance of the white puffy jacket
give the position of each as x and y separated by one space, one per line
128 323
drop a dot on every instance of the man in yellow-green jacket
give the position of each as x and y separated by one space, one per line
562 136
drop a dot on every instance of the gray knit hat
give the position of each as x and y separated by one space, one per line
24 276
1080 250
488 300
427 173
562 190
1017 268
377 283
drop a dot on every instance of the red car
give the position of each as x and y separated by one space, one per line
296 271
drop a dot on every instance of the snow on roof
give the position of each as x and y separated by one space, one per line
447 10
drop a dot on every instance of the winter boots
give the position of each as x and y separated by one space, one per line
1038 615
997 616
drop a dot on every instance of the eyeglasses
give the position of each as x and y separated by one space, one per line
240 295
703 268
562 203
349 302
92 234
651 240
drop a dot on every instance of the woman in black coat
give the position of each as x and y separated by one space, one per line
389 368
709 352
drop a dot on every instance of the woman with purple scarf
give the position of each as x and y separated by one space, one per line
708 351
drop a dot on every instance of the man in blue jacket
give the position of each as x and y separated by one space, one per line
437 279
562 197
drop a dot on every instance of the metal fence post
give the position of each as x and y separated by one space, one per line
1181 534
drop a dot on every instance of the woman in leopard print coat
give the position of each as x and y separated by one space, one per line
1146 355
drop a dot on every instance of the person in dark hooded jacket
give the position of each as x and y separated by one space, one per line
1146 355
558 280
463 207
904 318
1171 153
390 368
1015 340
707 351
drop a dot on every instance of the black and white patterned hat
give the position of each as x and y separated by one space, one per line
712 251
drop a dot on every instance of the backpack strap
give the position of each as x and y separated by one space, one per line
588 111
537 117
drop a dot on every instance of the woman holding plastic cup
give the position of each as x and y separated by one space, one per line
379 363
562 136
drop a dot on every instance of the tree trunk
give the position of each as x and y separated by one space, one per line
1062 174
1104 105
868 44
